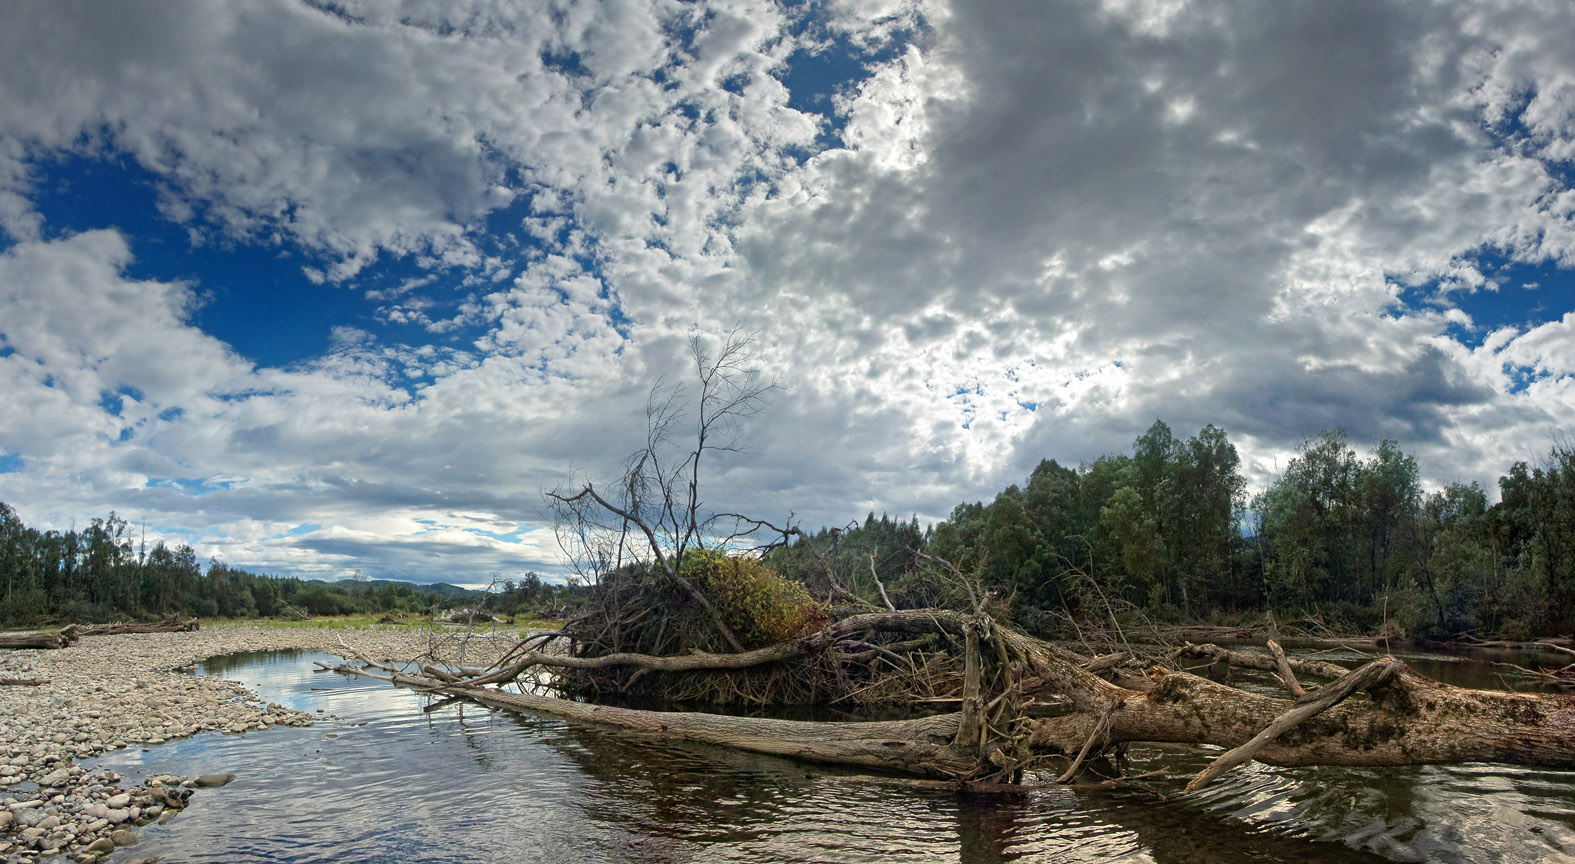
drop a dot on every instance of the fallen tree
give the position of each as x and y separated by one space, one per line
676 613
1380 714
68 635
170 624
47 639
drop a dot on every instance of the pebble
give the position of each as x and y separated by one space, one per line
107 692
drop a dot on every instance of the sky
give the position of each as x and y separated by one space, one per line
322 287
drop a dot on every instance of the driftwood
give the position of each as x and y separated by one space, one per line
69 634
1383 714
23 682
61 639
1316 638
171 624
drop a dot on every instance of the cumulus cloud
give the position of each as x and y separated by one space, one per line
1000 232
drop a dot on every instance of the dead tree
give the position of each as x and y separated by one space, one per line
1380 714
657 499
1014 703
60 639
170 624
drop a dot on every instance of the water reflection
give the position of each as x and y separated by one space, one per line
462 783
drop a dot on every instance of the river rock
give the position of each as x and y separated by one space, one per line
123 837
108 692
31 818
100 846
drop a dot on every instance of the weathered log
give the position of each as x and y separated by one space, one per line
1282 667
1245 660
911 620
922 746
1408 720
1413 721
1370 675
60 639
171 624
971 725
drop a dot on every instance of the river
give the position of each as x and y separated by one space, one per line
379 779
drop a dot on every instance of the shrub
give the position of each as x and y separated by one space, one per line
760 605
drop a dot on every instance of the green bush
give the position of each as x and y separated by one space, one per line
760 605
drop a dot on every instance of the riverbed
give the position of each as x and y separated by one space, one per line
381 778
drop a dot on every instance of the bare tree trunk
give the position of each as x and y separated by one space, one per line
922 746
1411 720
1382 715
171 624
66 636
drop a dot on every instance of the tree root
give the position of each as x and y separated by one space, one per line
1380 714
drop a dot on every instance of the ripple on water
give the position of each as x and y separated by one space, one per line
466 784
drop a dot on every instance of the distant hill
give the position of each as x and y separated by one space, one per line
441 589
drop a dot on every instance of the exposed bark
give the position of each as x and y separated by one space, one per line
1256 636
971 725
1383 714
171 624
922 746
1282 667
61 639
1245 660
1371 675
1412 720
911 620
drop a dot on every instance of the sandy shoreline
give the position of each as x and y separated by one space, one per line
108 692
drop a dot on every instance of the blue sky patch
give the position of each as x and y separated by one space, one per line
256 297
1517 294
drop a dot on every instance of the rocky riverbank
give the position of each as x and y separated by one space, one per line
109 692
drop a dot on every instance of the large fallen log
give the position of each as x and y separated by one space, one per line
1382 715
69 635
60 639
1409 720
171 624
904 621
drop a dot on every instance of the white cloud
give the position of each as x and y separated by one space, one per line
1046 226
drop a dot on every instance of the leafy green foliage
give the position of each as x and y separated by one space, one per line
754 600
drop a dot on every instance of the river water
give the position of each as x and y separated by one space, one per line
381 780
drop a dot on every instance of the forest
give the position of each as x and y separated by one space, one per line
1165 531
101 574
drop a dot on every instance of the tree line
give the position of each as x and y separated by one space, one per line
1168 530
100 574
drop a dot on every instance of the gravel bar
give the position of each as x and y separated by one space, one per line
109 692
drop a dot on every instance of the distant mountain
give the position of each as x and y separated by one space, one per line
441 589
